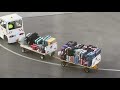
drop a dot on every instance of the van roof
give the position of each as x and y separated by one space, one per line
11 17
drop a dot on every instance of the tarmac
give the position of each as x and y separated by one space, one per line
98 28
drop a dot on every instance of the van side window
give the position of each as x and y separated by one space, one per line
11 25
15 24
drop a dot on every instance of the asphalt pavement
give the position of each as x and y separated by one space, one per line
98 28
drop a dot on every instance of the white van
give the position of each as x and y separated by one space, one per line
11 27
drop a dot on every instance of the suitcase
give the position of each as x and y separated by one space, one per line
40 40
31 38
64 47
89 63
48 38
86 63
97 52
77 51
45 38
63 57
90 53
46 41
27 36
82 61
43 49
70 52
34 47
34 37
37 39
67 58
79 46
71 59
40 47
76 59
71 43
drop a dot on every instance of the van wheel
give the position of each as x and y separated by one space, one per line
23 50
5 38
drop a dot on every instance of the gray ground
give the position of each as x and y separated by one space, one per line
32 14
100 29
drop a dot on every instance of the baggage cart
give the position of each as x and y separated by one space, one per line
94 60
26 48
43 51
85 68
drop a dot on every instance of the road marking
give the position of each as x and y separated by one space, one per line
116 70
28 57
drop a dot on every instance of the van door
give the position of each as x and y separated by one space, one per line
1 32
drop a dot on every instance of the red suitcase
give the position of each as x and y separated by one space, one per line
34 47
72 59
82 61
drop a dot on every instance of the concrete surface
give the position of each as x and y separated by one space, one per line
100 29
33 14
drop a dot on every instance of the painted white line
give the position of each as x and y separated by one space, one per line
116 70
28 57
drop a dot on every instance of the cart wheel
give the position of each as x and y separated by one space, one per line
87 70
23 50
95 68
63 64
42 57
52 54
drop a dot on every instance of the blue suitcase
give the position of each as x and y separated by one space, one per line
64 47
44 39
98 51
37 39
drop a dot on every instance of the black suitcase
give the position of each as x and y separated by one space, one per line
70 51
71 43
31 38
63 57
80 46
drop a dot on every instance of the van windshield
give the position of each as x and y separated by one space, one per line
15 24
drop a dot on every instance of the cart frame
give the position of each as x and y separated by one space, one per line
85 68
42 55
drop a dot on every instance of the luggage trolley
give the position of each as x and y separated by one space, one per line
42 45
89 56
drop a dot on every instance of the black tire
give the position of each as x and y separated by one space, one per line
42 57
63 64
87 70
52 54
6 39
23 50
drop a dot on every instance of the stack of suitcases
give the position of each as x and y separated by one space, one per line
79 53
37 42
